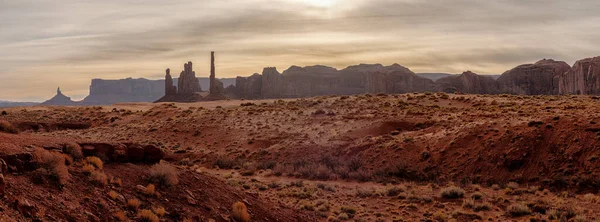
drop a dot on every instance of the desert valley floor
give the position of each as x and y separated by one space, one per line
370 157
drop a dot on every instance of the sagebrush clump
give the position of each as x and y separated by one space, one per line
164 174
240 212
7 127
452 192
53 163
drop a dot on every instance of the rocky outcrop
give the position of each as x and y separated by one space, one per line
59 100
582 78
468 82
540 78
124 152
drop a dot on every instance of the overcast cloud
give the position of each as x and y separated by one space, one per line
66 43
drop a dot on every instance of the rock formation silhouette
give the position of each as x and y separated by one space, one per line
170 89
468 82
188 89
216 90
59 100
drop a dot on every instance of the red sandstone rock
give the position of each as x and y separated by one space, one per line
468 82
540 78
582 78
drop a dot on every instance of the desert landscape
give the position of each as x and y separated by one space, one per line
367 157
299 111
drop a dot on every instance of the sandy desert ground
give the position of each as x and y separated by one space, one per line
408 157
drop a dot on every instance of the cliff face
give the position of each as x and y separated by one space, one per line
541 78
468 82
248 87
582 78
397 82
322 80
105 92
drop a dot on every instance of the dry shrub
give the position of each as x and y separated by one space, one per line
160 211
87 169
116 181
7 127
164 174
452 192
133 204
150 189
99 178
95 161
147 216
364 193
112 194
240 212
74 150
517 210
53 163
120 216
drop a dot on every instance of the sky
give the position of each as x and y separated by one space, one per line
45 44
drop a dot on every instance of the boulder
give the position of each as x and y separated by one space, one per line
19 162
153 154
540 78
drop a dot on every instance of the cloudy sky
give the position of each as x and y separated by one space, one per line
66 43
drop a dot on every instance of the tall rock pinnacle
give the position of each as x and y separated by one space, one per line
212 73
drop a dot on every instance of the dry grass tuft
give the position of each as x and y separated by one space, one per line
160 211
87 169
53 163
240 212
99 178
120 216
164 174
150 189
147 216
112 194
7 127
452 192
133 204
116 181
95 161
74 150
517 210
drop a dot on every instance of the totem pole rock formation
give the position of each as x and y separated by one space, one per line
188 86
216 87
188 83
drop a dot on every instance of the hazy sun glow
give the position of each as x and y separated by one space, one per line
319 3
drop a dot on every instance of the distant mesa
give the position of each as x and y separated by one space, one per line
544 77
